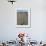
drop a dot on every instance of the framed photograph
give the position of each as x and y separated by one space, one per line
23 16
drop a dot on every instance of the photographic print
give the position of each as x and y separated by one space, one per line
23 17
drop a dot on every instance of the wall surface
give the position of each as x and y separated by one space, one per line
8 30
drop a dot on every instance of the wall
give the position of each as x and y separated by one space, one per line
8 28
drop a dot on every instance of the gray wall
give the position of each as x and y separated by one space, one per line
8 28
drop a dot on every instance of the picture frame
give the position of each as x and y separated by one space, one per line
23 17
